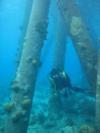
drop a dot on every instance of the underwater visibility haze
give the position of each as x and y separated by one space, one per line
49 66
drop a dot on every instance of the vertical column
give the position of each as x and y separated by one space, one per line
60 43
98 95
81 38
19 107
58 62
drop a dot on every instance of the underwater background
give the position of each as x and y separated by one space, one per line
50 113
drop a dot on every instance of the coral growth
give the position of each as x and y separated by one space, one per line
26 103
8 107
86 129
68 129
76 26
40 27
18 115
36 63
15 87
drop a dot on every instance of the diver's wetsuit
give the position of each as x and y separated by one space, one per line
60 81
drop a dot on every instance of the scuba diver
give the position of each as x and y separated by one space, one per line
61 82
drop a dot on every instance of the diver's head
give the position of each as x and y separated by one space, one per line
56 72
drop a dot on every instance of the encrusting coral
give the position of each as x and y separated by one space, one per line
8 107
86 129
68 129
36 63
18 115
26 103
76 26
15 87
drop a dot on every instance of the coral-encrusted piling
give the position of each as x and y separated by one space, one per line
60 43
81 38
24 83
58 62
98 95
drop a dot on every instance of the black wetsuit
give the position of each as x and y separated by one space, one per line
61 81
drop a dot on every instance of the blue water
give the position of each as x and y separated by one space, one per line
13 22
